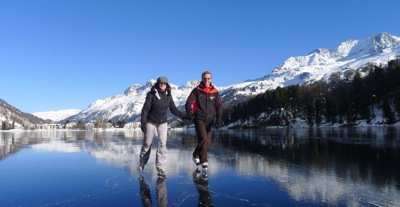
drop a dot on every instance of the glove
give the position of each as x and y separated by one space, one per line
219 124
189 116
143 127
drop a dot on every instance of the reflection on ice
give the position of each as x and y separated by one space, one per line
57 146
201 183
350 167
314 166
320 180
161 192
145 192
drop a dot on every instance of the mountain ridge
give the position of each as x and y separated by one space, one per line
58 115
345 58
350 55
12 117
322 62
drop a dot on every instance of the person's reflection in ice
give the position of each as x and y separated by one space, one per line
145 192
201 183
161 191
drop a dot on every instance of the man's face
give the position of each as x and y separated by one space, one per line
207 79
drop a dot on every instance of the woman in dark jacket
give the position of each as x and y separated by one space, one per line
154 118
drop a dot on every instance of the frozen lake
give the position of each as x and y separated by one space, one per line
270 167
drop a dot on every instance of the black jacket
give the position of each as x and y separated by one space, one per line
155 107
205 103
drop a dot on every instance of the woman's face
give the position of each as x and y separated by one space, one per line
162 86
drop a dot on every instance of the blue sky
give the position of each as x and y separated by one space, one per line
66 54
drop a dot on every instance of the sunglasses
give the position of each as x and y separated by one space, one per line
206 78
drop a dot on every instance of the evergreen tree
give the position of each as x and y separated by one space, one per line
80 125
360 98
344 97
66 122
3 125
121 123
387 112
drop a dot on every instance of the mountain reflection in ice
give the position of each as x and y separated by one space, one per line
321 170
351 167
359 165
57 146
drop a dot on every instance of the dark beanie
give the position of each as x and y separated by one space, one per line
162 80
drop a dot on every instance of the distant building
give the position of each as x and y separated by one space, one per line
70 125
49 126
132 125
89 126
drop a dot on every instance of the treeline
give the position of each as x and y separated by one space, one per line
344 99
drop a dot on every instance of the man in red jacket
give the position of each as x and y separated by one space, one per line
204 103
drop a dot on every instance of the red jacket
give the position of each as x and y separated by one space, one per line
205 103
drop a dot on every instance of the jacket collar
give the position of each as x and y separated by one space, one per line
211 89
157 94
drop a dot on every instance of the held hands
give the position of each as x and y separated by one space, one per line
189 116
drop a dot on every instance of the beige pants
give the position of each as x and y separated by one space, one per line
161 155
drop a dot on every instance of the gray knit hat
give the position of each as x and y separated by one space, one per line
162 80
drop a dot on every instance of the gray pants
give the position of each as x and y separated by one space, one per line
161 156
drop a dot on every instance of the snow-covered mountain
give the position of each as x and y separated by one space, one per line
128 105
347 57
57 115
11 117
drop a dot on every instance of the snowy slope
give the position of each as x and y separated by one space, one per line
319 64
128 105
57 115
9 115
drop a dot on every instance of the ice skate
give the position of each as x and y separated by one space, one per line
204 171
